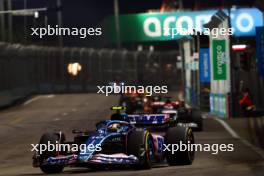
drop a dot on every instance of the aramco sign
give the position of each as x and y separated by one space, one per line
154 26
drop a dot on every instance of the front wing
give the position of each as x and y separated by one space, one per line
111 159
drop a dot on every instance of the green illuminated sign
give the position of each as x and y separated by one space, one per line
168 26
219 60
156 26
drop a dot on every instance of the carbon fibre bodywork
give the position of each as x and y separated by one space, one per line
112 141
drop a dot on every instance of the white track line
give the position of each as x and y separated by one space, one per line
31 100
228 128
259 151
36 98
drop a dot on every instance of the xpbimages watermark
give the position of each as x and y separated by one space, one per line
214 32
212 148
83 148
173 148
64 31
123 89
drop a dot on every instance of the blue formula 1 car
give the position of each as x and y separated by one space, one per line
116 143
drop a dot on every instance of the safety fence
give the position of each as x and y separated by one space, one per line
256 130
34 69
251 129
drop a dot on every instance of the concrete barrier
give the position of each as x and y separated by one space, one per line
10 97
251 129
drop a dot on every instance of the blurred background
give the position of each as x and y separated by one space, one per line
66 70
122 52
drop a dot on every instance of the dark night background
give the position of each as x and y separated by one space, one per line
90 13
80 13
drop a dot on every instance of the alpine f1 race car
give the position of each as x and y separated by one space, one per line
118 143
179 113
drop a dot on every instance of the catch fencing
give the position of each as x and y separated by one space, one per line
34 69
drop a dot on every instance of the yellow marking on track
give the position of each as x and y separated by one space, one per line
17 120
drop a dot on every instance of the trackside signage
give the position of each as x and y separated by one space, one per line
204 65
219 60
152 26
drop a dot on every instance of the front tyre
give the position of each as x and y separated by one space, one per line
49 169
179 136
140 144
52 169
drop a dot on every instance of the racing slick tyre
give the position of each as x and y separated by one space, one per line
140 144
197 118
49 169
177 136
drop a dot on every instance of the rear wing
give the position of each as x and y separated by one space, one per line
157 103
148 119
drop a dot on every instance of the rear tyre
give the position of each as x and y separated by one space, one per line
49 169
140 144
178 135
197 118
